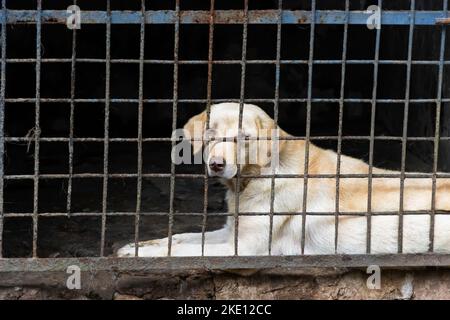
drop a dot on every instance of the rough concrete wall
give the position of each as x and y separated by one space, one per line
311 284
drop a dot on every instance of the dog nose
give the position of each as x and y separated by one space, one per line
216 164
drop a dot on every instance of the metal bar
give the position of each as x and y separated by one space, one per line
2 122
341 118
437 130
208 116
106 129
224 263
226 62
275 111
372 132
317 138
405 128
415 175
140 120
8 215
241 111
37 131
226 17
131 100
72 116
174 125
308 123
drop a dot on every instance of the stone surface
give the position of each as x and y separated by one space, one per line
275 284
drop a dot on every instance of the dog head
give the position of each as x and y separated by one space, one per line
227 144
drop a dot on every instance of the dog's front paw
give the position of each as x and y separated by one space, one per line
151 248
127 251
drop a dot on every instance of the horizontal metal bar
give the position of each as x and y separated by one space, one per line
227 62
318 138
412 175
226 17
224 263
283 100
221 214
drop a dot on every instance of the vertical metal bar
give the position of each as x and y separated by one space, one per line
372 133
174 123
140 113
241 111
405 125
437 132
308 121
208 113
2 119
341 118
106 127
37 128
71 121
275 111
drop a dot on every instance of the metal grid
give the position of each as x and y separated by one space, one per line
245 17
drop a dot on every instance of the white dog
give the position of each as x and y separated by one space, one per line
255 197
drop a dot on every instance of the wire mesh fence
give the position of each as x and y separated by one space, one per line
245 17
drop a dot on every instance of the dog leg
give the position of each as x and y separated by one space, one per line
179 249
211 237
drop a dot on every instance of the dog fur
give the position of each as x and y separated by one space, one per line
255 195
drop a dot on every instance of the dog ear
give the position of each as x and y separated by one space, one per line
195 129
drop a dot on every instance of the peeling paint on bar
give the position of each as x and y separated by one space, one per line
226 17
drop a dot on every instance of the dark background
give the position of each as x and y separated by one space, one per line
79 236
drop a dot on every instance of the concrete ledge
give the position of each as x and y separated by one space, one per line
429 283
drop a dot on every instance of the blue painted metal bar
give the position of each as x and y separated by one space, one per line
227 17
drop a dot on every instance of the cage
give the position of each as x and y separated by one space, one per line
87 114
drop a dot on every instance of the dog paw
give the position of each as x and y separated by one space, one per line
126 251
150 248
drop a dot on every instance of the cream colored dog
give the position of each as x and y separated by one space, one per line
255 197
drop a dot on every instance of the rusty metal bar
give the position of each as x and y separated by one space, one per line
308 123
174 125
106 129
312 138
131 100
275 111
2 121
208 116
72 116
224 263
437 130
299 17
139 133
226 62
415 175
8 215
405 127
341 118
241 111
37 131
372 132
